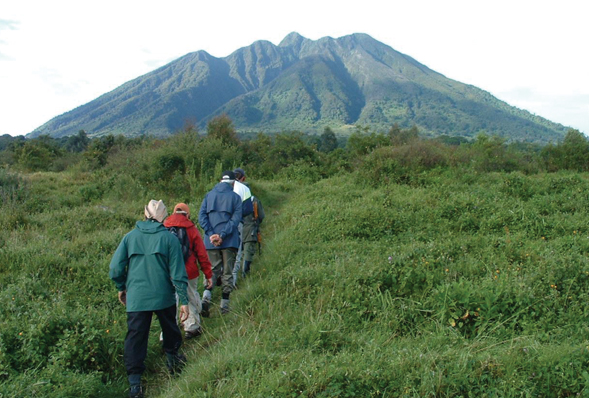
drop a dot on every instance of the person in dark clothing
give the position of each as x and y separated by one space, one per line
251 235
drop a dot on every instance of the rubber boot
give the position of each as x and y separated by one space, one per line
175 362
135 390
246 268
224 306
206 303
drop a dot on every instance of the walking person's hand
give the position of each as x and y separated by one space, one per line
209 284
123 297
216 239
184 312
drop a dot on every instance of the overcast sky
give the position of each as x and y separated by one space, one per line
57 55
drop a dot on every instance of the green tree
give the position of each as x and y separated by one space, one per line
328 141
97 153
256 151
490 154
571 154
37 154
398 137
362 141
77 143
7 141
221 127
289 148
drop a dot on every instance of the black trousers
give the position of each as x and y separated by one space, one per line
138 324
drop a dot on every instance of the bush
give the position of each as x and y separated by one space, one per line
403 164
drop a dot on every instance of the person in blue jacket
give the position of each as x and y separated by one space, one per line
220 214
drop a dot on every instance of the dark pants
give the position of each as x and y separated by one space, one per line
138 324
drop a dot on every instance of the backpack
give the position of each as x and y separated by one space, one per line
182 235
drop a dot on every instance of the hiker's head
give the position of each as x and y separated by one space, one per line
156 210
182 208
228 177
239 175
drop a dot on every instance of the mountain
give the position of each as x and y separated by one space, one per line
303 85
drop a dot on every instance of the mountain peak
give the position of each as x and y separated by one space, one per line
303 85
293 39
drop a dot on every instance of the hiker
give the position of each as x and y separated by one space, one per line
180 220
219 216
251 235
242 189
148 271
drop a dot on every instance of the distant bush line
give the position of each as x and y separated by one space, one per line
399 155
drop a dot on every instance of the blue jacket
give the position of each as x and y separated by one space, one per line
220 213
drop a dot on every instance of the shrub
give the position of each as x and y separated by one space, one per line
403 164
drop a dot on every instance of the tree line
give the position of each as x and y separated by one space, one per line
305 156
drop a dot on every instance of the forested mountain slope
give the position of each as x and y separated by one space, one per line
302 85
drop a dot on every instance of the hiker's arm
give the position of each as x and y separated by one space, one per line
232 224
202 256
203 218
119 265
178 270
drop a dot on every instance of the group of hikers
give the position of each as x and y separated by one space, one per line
155 268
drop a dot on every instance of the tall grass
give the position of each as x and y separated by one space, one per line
443 289
439 280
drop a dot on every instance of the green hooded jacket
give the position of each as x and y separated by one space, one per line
148 264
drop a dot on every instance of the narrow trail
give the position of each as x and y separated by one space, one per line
217 327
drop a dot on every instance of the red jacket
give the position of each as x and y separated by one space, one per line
197 247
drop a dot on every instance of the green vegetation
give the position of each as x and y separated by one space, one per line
428 267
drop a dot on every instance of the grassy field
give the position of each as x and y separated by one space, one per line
464 285
451 283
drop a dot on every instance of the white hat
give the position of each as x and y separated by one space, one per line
156 210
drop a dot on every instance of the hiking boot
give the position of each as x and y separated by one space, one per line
136 392
176 363
190 334
225 306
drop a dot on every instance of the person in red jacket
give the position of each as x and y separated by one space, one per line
181 218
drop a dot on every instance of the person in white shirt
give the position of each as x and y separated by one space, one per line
244 192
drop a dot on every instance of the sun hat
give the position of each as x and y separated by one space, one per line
156 210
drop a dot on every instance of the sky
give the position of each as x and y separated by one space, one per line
57 55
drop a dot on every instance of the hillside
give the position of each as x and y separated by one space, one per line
302 85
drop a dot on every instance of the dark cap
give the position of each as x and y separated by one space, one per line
241 172
228 176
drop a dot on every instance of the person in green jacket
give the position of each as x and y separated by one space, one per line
148 271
